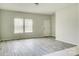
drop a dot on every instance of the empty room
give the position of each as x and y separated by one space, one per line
39 29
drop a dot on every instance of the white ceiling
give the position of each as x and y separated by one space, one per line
42 8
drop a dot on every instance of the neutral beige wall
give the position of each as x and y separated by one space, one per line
47 24
0 25
53 23
38 25
78 24
67 24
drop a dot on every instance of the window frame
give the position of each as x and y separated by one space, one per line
14 26
23 25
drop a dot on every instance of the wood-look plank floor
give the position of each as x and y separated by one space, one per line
32 47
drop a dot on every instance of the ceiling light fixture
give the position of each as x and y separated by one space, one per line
36 3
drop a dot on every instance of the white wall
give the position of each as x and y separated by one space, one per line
38 25
67 24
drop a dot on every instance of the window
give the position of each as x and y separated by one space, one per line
28 25
22 25
18 25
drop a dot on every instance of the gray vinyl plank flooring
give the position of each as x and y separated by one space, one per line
32 47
